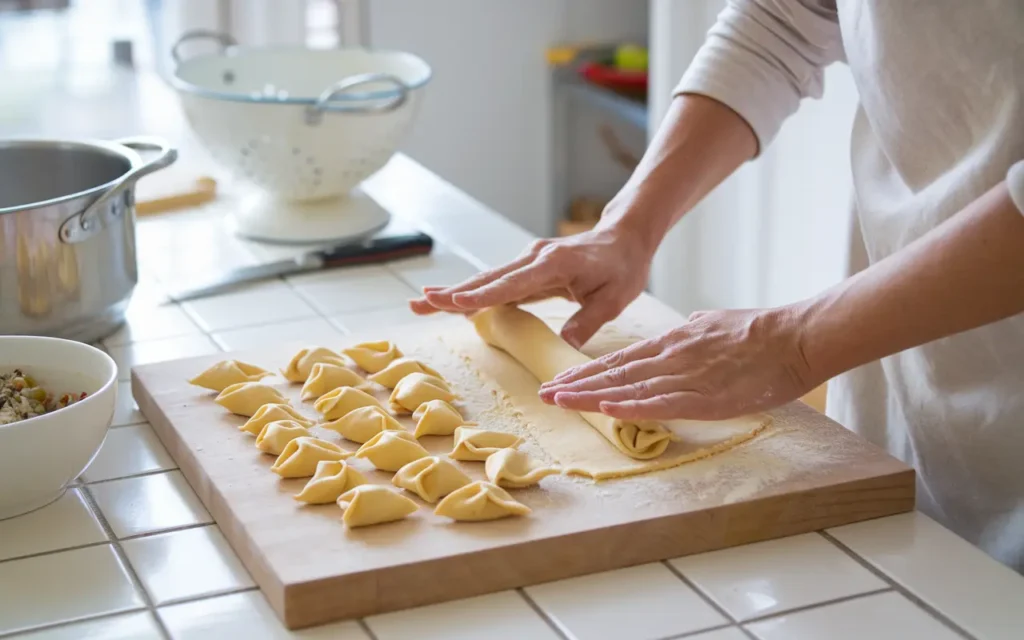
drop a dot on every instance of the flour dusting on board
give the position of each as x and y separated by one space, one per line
777 454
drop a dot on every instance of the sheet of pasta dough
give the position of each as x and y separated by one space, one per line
568 438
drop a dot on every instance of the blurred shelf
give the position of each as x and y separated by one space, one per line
628 110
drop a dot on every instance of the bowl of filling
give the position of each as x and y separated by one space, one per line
57 401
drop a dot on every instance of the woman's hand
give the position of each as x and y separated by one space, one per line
603 270
719 365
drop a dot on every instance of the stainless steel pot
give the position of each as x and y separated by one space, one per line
67 233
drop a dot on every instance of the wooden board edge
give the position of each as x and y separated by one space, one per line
318 602
212 499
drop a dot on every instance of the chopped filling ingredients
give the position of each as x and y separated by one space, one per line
21 398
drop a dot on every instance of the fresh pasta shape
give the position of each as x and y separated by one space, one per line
275 435
480 501
228 372
392 450
513 469
417 388
431 478
437 418
359 425
335 404
331 479
246 398
271 413
478 444
373 356
300 456
369 504
301 366
324 377
398 369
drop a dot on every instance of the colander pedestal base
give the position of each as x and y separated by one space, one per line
352 217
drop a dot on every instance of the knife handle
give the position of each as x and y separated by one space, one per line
379 250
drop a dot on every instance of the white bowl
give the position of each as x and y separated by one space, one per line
40 456
302 124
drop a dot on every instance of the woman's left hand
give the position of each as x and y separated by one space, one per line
718 365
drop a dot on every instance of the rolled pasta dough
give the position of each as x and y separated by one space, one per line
526 338
570 440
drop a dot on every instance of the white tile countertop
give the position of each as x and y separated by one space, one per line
130 551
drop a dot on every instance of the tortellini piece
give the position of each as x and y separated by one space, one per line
431 478
301 366
270 413
331 479
359 425
300 456
369 504
478 444
392 450
514 469
390 375
417 388
324 377
228 372
437 418
373 356
246 398
480 501
275 435
335 404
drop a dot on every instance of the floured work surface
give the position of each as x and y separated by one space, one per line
801 473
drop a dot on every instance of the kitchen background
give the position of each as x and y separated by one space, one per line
502 120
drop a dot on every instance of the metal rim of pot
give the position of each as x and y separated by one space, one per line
93 219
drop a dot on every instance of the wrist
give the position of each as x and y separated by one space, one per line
825 341
627 219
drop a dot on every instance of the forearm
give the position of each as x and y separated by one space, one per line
699 144
966 273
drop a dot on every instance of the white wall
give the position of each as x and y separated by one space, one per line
485 123
778 229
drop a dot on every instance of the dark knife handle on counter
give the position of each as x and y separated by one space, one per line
379 250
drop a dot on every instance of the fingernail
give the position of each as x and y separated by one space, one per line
461 299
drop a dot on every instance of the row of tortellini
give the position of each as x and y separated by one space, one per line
340 397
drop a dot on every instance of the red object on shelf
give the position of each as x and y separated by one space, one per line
631 82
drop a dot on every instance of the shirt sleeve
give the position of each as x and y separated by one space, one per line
763 56
1015 181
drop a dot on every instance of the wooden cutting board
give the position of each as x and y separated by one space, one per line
804 473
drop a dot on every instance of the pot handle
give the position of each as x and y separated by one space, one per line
226 40
95 218
315 111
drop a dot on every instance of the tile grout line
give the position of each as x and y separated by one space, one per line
896 586
690 634
51 552
543 615
817 605
175 529
204 596
68 623
122 557
366 629
131 476
700 593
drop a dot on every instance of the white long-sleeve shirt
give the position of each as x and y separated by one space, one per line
940 122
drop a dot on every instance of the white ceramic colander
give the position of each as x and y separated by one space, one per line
305 126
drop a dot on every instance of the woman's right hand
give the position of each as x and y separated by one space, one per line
603 270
